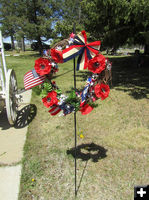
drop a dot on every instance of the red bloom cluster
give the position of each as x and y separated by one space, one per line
42 66
56 55
102 91
97 64
50 99
86 109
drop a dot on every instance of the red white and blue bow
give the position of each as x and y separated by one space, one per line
83 49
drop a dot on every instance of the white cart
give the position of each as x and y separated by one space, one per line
8 88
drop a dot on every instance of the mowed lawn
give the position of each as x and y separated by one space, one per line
21 63
112 157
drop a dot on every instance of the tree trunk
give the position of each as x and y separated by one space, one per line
40 45
22 44
146 49
12 42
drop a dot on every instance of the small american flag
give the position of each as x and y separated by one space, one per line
32 79
85 90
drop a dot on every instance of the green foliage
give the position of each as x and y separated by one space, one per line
32 19
72 14
47 87
114 21
37 17
92 104
73 100
8 19
43 93
58 91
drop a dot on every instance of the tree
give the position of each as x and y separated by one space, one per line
71 14
34 19
37 18
106 20
140 15
114 21
8 19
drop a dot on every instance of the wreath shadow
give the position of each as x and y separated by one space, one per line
83 75
85 152
88 151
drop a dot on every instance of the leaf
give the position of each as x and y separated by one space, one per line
47 87
92 104
58 91
43 93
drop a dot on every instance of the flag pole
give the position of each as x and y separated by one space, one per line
75 120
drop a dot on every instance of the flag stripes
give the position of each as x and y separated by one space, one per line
54 110
32 79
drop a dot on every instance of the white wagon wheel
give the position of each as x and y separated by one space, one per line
11 100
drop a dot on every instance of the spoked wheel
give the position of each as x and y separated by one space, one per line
11 96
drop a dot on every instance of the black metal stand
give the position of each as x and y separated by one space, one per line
75 122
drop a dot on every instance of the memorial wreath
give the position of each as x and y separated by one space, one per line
88 57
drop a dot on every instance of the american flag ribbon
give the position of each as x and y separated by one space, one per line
80 47
85 91
32 79
54 110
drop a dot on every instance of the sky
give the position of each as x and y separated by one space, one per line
8 40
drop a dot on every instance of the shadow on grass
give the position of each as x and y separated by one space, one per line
89 151
83 75
85 152
127 75
54 77
25 116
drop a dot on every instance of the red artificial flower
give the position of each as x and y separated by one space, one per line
42 66
50 99
97 90
56 55
97 64
72 35
102 91
86 109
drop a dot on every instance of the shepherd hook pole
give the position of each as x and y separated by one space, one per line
75 122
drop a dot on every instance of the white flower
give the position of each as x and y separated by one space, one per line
59 48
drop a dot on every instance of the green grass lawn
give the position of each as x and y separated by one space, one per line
21 63
113 155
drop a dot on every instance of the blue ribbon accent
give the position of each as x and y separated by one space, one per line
84 93
73 56
80 57
88 54
77 43
78 61
81 42
89 79
80 52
